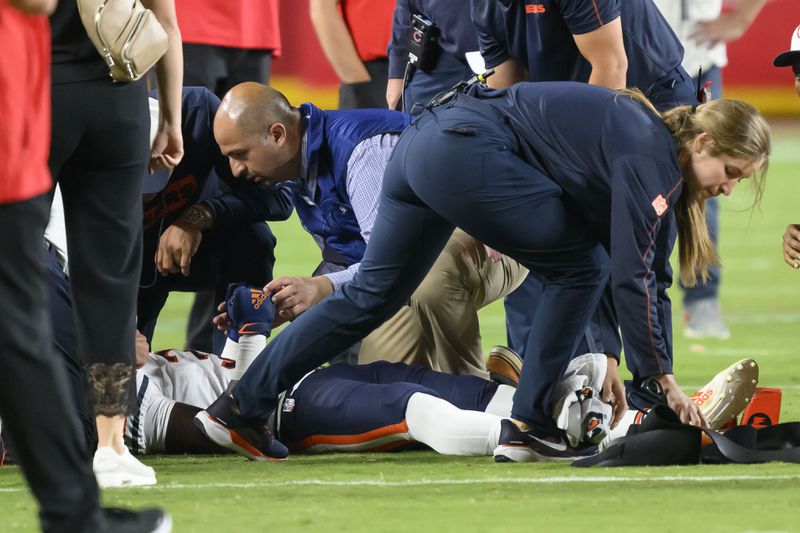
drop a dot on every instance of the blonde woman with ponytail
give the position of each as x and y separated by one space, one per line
720 143
581 185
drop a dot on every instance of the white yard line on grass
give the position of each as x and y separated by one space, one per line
554 480
761 319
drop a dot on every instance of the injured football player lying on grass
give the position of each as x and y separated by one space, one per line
381 406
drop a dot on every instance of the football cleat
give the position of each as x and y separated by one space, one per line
504 366
250 311
519 446
114 469
221 424
728 393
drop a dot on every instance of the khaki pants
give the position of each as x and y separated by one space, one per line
439 328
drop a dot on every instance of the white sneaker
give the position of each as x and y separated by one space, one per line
728 393
120 470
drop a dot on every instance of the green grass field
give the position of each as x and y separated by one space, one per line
426 492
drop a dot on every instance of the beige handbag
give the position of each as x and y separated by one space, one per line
128 36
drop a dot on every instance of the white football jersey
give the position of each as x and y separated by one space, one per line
191 377
170 377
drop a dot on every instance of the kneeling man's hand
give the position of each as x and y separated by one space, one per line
293 295
176 248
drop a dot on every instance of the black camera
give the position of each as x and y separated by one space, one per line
423 44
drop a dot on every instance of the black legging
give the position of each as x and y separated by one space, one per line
99 152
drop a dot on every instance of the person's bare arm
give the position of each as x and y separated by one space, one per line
506 74
730 25
394 90
182 436
605 50
686 409
35 7
167 150
338 46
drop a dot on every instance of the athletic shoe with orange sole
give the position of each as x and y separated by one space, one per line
222 425
504 365
728 393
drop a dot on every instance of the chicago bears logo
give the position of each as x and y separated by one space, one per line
534 9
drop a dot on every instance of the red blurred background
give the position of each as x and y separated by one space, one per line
304 74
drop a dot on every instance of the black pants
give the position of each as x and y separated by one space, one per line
37 409
369 94
99 154
219 68
242 253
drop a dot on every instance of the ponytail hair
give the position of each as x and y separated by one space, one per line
737 130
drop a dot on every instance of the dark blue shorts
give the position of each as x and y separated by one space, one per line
363 408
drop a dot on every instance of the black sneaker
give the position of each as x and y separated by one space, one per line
142 521
221 423
520 446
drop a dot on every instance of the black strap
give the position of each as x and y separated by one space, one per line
663 440
780 442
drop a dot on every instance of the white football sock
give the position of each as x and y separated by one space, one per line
450 430
502 401
242 353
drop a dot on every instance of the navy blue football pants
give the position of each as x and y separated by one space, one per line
346 400
454 167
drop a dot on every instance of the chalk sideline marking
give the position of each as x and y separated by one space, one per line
554 480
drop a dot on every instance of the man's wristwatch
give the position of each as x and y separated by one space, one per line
199 216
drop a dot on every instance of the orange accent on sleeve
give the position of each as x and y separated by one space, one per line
597 13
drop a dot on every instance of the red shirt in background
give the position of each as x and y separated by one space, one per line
370 25
248 24
24 105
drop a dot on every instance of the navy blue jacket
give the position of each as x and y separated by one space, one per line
539 34
457 37
197 179
617 163
331 137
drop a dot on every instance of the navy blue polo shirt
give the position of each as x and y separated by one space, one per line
539 34
452 17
